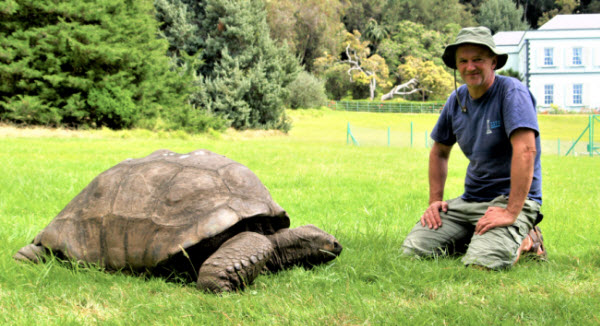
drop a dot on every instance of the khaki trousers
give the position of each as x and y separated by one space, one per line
495 249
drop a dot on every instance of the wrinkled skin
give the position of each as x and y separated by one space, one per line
240 259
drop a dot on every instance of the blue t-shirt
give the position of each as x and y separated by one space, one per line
483 134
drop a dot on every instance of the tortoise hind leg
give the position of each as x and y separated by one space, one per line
236 263
32 253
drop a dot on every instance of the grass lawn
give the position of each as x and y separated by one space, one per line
369 197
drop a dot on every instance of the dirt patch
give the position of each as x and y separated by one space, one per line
41 132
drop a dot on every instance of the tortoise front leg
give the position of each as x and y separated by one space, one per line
236 263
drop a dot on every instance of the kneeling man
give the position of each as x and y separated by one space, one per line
493 120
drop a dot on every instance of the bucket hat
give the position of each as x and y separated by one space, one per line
473 35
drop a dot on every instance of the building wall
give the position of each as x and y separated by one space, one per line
562 74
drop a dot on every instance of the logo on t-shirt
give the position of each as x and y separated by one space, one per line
492 125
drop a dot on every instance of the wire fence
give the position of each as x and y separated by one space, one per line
387 107
406 136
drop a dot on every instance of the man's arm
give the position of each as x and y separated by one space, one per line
438 171
521 175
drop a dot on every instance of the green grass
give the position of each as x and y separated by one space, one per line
369 197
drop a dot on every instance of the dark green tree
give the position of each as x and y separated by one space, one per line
413 39
589 6
501 15
357 13
245 73
435 14
179 24
534 9
93 63
308 27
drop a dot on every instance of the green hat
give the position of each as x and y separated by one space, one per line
473 35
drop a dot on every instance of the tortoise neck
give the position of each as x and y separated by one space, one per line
288 250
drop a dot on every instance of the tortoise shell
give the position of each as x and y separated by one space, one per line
140 212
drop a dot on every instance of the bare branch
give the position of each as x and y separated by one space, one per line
397 89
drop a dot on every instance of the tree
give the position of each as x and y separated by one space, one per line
590 6
414 39
308 27
358 13
431 77
403 89
245 73
501 15
435 14
511 73
306 91
534 9
365 69
335 74
95 63
375 34
179 25
561 7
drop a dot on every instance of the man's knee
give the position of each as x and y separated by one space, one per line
424 243
496 249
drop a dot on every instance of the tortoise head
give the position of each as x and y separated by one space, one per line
305 246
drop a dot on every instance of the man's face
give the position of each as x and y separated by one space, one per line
476 66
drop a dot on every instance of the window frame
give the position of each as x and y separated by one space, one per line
578 57
577 94
548 57
548 94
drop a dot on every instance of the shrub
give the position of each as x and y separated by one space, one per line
85 63
306 91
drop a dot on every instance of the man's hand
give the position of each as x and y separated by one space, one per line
431 218
494 217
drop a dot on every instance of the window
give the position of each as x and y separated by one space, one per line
577 61
577 93
548 94
548 56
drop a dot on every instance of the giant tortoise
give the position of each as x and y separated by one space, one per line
198 214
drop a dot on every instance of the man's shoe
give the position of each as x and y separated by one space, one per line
533 246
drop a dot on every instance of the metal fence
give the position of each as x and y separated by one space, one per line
390 107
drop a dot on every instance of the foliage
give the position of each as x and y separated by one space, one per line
306 91
375 33
431 77
365 69
309 27
501 15
414 39
178 25
435 14
358 14
561 7
335 74
240 74
534 9
510 73
95 63
590 6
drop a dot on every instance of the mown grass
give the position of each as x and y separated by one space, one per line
368 197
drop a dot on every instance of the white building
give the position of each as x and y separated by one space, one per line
559 62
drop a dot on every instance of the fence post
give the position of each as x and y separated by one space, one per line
411 134
388 136
348 134
591 143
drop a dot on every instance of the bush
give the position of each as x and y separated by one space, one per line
337 81
306 91
85 64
